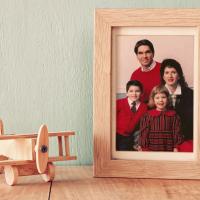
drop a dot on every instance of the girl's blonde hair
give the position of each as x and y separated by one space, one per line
158 89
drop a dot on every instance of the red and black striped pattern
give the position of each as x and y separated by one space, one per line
160 131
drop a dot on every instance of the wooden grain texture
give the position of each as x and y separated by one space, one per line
77 183
33 142
2 157
60 147
61 158
11 174
21 147
42 143
27 170
150 17
1 133
31 187
104 94
23 162
34 135
67 149
1 127
50 173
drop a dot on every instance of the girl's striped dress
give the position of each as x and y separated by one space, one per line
160 131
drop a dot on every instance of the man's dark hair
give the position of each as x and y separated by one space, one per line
134 83
144 42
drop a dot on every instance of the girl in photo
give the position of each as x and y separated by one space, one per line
160 128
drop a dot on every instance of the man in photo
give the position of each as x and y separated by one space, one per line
149 71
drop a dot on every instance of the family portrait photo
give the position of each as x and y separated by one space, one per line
154 81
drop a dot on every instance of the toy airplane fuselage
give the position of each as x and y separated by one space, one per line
40 163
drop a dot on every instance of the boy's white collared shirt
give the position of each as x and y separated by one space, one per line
137 103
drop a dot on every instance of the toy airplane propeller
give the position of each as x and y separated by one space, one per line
40 163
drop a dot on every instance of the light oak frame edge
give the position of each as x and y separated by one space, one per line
104 166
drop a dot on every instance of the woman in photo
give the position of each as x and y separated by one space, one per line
181 97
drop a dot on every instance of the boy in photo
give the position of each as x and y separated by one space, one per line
129 112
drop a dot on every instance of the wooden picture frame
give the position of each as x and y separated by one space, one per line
104 95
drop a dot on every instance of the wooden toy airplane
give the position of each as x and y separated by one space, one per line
40 163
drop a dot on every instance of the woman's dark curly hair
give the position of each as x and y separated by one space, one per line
171 63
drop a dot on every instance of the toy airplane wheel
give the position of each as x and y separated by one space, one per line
11 174
41 149
50 174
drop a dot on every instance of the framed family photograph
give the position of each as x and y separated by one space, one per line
146 93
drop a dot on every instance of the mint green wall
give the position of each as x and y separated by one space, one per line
46 61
